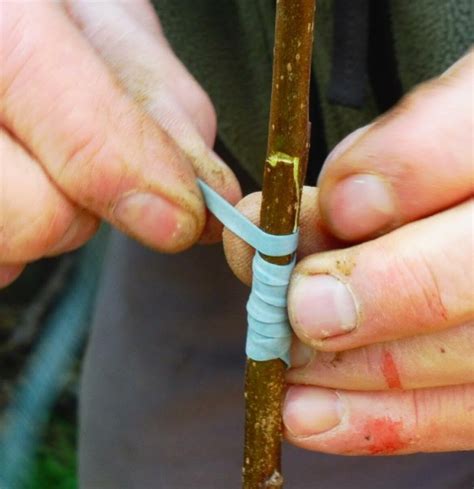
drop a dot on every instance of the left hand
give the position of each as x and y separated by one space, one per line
384 363
99 120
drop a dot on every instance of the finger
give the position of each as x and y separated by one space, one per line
415 280
313 236
411 163
439 359
9 273
380 423
35 217
143 11
92 139
118 36
161 84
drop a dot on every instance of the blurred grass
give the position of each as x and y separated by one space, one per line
56 460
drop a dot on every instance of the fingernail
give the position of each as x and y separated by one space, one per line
301 354
361 205
70 237
321 306
311 411
9 273
156 221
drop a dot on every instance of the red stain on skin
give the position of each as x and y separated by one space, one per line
383 435
390 371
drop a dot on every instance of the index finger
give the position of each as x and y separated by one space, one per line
94 142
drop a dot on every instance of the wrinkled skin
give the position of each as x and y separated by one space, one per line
383 359
90 131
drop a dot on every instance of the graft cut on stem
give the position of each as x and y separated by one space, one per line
283 177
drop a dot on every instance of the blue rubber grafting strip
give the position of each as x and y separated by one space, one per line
269 332
267 244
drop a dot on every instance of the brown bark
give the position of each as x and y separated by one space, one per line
284 171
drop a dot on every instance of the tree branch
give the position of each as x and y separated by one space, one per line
283 176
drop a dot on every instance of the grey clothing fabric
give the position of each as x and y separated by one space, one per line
161 397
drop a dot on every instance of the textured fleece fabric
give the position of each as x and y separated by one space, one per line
227 45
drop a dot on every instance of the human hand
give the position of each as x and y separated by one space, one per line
99 120
384 360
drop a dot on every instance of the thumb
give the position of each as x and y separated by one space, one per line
95 143
414 161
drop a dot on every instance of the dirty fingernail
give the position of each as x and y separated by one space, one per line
360 205
156 221
301 354
321 306
79 228
311 411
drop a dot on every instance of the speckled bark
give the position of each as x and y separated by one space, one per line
284 170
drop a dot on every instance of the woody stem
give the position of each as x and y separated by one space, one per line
283 176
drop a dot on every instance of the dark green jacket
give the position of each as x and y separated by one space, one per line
227 45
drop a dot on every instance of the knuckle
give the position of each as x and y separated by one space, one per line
423 296
16 51
437 412
83 151
83 165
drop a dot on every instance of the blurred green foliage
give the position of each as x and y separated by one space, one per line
56 462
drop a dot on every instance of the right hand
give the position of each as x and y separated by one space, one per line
99 120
